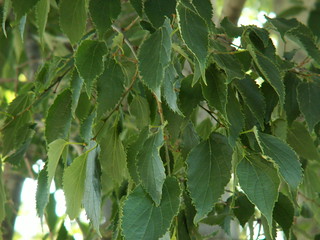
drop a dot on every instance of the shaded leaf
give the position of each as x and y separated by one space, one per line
138 6
139 108
205 10
76 87
291 105
157 10
42 194
189 139
2 197
42 11
209 171
143 220
243 209
21 7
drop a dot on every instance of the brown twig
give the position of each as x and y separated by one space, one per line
211 114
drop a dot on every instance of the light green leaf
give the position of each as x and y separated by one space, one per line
300 140
169 92
283 157
150 166
209 171
103 13
73 185
215 92
55 150
270 72
110 86
259 181
152 69
143 220
157 10
42 194
308 99
73 18
2 197
252 97
89 61
191 25
113 157
92 189
21 7
42 11
139 108
59 117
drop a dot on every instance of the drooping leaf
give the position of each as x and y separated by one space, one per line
216 90
110 86
87 126
264 192
59 117
271 99
139 108
189 139
73 184
21 7
157 10
42 11
92 190
84 107
73 18
308 99
2 197
150 166
42 194
300 140
282 156
283 213
76 87
152 69
252 97
190 25
209 166
89 61
291 105
55 150
205 128
243 209
231 30
6 11
143 220
113 157
103 13
282 25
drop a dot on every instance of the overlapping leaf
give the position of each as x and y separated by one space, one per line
21 7
156 10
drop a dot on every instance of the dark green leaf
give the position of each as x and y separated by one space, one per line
314 18
143 220
283 213
190 25
21 7
75 86
59 117
152 69
271 99
73 18
231 30
138 6
110 86
150 166
282 25
308 99
205 10
86 127
139 108
6 11
42 11
243 209
300 140
89 61
103 13
204 129
264 192
283 157
189 139
2 197
209 171
156 10
42 194
291 105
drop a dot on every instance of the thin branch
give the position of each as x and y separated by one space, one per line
211 114
126 40
131 24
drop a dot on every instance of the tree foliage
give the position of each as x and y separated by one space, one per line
149 105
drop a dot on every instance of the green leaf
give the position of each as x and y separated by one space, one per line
92 189
271 99
259 181
55 150
103 13
209 171
204 128
5 14
308 99
76 87
42 11
89 61
150 166
283 213
2 197
86 127
205 10
252 97
59 117
283 157
282 25
152 69
110 86
157 10
73 185
231 30
215 92
139 108
270 72
235 118
314 18
113 157
300 140
243 209
73 18
138 6
21 7
169 92
42 194
143 220
291 105
190 25
189 139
